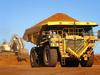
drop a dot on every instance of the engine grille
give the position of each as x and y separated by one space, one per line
76 44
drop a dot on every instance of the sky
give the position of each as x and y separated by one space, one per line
18 15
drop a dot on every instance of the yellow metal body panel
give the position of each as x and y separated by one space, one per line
85 23
60 23
72 23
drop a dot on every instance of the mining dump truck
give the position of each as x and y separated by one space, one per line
67 42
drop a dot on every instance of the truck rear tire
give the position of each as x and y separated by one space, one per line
50 57
89 62
34 60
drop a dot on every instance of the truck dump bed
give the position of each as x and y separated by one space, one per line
31 34
36 28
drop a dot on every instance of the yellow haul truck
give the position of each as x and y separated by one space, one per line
69 43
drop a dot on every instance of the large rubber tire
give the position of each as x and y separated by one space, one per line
34 60
50 57
89 62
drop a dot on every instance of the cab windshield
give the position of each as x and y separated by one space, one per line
78 31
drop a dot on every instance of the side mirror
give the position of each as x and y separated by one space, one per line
98 34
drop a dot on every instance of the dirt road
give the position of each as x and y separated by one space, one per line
27 70
9 67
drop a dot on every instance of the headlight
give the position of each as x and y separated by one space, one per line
49 36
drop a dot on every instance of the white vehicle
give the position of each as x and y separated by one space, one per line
5 47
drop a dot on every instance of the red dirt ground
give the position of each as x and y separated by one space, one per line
10 66
97 59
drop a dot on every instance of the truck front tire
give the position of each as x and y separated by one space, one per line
89 62
50 56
